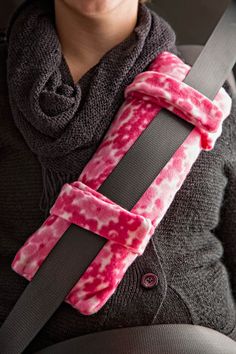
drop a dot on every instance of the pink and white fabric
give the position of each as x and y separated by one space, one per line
127 232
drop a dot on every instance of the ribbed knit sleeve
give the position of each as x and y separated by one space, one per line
226 229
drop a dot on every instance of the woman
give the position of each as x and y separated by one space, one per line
66 65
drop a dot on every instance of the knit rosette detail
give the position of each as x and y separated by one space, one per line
127 232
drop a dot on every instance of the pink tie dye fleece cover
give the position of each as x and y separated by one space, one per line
127 232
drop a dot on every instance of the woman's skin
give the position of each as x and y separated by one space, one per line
87 29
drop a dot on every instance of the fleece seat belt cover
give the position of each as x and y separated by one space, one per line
127 231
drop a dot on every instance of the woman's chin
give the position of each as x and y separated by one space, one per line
93 7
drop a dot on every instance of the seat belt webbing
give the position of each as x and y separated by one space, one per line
153 339
142 163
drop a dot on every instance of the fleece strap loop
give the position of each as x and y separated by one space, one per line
168 91
83 206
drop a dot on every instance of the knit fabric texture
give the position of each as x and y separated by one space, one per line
62 122
193 251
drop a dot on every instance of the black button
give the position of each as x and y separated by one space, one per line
3 37
149 280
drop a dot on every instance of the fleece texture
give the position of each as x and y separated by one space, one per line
127 232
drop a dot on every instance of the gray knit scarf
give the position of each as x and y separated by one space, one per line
63 123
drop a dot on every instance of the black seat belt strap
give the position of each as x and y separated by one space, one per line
153 339
139 167
217 58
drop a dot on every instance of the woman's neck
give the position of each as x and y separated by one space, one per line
86 37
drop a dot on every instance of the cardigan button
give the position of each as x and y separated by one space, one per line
3 37
149 280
